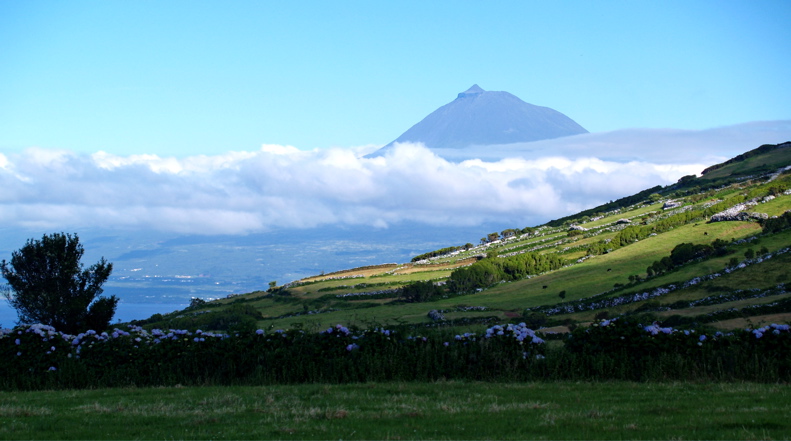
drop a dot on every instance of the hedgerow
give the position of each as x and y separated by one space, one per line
651 352
39 357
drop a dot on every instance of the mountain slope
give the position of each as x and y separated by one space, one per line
479 117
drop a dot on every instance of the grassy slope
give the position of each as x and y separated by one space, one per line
596 275
778 158
583 280
752 277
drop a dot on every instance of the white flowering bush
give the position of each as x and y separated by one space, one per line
637 340
39 356
644 341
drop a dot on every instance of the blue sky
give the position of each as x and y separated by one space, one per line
242 117
193 77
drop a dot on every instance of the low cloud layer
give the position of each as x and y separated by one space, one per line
282 187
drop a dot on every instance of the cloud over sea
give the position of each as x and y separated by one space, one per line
282 187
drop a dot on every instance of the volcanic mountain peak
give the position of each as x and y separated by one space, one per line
480 117
474 90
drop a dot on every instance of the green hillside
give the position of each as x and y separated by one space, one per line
620 258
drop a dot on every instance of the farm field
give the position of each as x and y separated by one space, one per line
439 410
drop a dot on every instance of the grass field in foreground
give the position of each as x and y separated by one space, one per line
443 410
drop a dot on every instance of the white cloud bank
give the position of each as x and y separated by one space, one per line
283 187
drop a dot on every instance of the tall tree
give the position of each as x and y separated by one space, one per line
48 285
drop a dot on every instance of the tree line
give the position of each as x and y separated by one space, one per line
440 252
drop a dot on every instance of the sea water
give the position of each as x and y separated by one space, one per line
125 312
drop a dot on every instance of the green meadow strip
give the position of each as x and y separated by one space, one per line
439 410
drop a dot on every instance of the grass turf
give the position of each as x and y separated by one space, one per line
444 410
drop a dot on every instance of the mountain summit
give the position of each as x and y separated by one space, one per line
474 90
480 117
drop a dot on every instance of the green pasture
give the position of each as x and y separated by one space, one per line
754 277
775 207
580 280
634 213
777 159
699 310
592 276
442 410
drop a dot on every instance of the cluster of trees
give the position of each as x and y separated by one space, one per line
422 291
47 284
482 274
509 232
505 234
683 253
489 271
776 224
491 237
